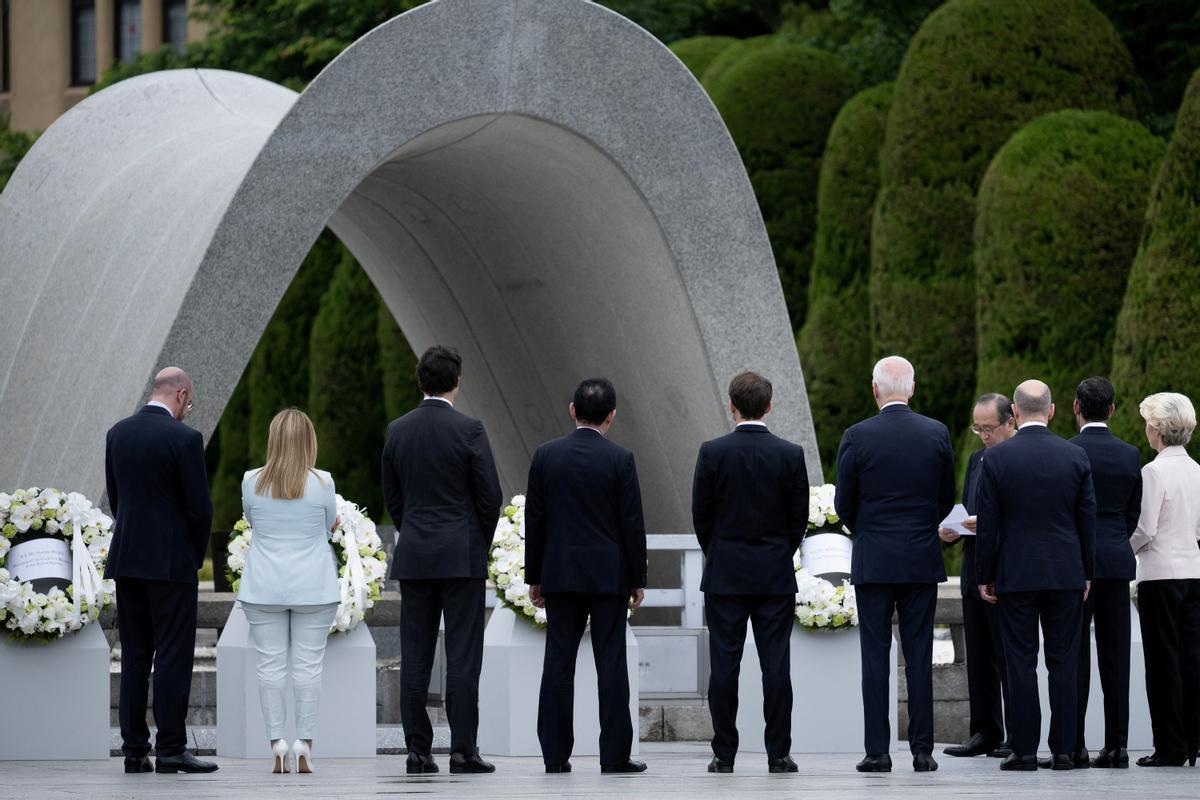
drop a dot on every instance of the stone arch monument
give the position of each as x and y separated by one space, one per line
541 184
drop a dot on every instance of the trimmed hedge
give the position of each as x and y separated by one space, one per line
699 52
975 72
1155 349
233 459
778 103
834 344
731 55
1057 223
398 368
345 391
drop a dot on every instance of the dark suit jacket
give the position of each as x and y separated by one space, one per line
584 530
750 511
970 495
1037 514
441 490
1117 480
158 492
895 483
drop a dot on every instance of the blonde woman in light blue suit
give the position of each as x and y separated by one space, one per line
289 587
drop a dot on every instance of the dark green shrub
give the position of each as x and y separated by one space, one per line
698 52
233 459
398 368
731 55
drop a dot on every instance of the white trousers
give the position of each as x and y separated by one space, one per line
296 634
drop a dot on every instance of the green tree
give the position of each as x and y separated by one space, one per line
233 459
1159 324
13 147
1058 218
834 344
398 368
975 72
778 103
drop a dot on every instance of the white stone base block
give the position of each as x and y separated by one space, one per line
1140 735
56 701
346 723
513 651
827 714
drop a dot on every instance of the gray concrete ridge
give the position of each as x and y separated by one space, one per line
542 184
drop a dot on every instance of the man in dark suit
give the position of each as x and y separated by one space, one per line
1037 538
1117 480
986 683
585 557
750 511
442 492
895 483
158 493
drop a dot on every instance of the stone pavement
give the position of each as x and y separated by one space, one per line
677 770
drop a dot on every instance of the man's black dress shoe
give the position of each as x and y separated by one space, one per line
418 764
717 765
977 745
184 762
881 763
556 768
625 766
1117 758
1061 761
784 764
462 764
1081 759
923 762
1155 760
1003 750
140 764
1016 763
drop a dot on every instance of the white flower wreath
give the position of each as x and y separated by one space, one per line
506 563
362 562
821 606
26 614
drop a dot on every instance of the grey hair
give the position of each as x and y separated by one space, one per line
1033 404
999 402
894 376
1172 415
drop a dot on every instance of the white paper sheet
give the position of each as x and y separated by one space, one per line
954 520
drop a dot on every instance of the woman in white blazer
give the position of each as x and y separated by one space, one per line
289 587
1168 575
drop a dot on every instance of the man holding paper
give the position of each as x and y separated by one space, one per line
986 683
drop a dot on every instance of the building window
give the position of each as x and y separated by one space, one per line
129 30
83 42
5 60
175 24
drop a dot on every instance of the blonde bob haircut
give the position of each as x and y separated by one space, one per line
291 454
1172 415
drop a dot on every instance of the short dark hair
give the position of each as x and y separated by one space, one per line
1001 403
1095 396
439 369
595 399
750 394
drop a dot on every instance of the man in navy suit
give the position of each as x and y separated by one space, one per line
442 492
1035 553
986 684
750 511
1117 479
585 558
895 484
158 493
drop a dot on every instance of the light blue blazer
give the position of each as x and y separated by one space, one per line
290 561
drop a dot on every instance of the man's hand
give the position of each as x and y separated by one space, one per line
988 592
970 522
948 535
636 596
1087 589
535 596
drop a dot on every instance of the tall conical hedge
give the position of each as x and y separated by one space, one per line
1157 346
778 103
398 368
1057 223
233 459
835 342
976 71
699 52
345 394
278 370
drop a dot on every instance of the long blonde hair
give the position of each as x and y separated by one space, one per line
291 453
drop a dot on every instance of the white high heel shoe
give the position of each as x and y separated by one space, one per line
280 751
303 756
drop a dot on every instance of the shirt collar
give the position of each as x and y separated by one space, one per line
893 403
443 399
593 428
1033 423
1173 451
1087 425
756 422
162 405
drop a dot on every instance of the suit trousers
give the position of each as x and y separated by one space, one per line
914 603
772 617
422 606
157 625
987 683
1108 605
1061 616
1170 615
567 615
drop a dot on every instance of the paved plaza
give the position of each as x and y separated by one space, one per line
677 770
